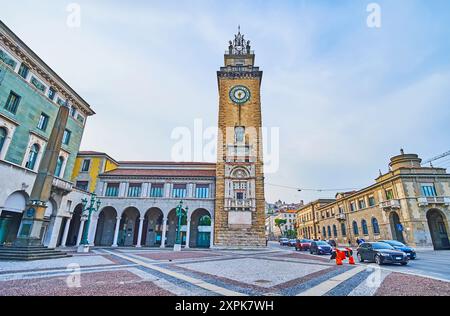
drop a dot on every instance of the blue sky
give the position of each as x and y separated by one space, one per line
346 97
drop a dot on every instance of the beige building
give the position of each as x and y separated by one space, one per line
305 219
410 203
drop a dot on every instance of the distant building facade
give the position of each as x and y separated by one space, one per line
305 219
30 96
410 204
139 201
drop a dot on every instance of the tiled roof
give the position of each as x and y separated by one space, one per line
162 172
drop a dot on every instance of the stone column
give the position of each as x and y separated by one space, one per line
211 241
188 232
80 232
141 225
66 232
116 231
163 238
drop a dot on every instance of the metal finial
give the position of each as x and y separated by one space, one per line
402 151
239 28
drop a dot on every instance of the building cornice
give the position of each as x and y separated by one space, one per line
32 60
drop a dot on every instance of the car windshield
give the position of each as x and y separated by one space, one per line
322 243
305 240
381 245
394 243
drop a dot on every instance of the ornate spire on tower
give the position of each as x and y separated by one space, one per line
239 46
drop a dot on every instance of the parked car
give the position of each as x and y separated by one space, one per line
332 243
303 244
320 248
284 242
292 242
411 252
381 253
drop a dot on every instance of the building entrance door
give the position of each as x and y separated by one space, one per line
203 239
397 228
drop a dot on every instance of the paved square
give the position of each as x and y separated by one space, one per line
265 273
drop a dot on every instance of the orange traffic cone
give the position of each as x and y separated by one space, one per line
351 260
338 258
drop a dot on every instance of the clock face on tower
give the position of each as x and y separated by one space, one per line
239 94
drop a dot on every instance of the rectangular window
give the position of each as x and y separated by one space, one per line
341 210
7 59
73 111
61 102
37 84
86 165
352 206
371 201
51 93
179 191
134 189
239 195
112 189
43 122
362 204
157 190
389 195
23 71
202 191
66 137
82 185
428 190
12 103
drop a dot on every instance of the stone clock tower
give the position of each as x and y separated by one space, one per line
240 203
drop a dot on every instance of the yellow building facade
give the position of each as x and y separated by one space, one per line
88 165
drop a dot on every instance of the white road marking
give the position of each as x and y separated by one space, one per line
330 284
194 281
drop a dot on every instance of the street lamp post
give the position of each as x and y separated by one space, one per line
94 205
179 213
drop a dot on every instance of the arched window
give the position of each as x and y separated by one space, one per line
329 231
343 230
355 228
375 226
3 134
59 165
335 233
364 227
32 157
324 232
204 221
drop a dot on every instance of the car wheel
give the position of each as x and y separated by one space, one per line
360 259
404 263
378 260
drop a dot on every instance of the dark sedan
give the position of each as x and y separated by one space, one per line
402 247
320 248
381 253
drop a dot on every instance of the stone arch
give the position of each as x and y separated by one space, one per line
11 216
129 227
74 229
200 230
153 227
106 225
438 225
240 172
396 227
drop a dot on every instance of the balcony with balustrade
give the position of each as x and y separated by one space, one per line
390 205
433 201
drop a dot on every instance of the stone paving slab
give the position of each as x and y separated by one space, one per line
86 260
117 283
398 284
260 272
176 255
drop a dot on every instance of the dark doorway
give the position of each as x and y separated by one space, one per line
9 227
74 228
438 230
396 227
